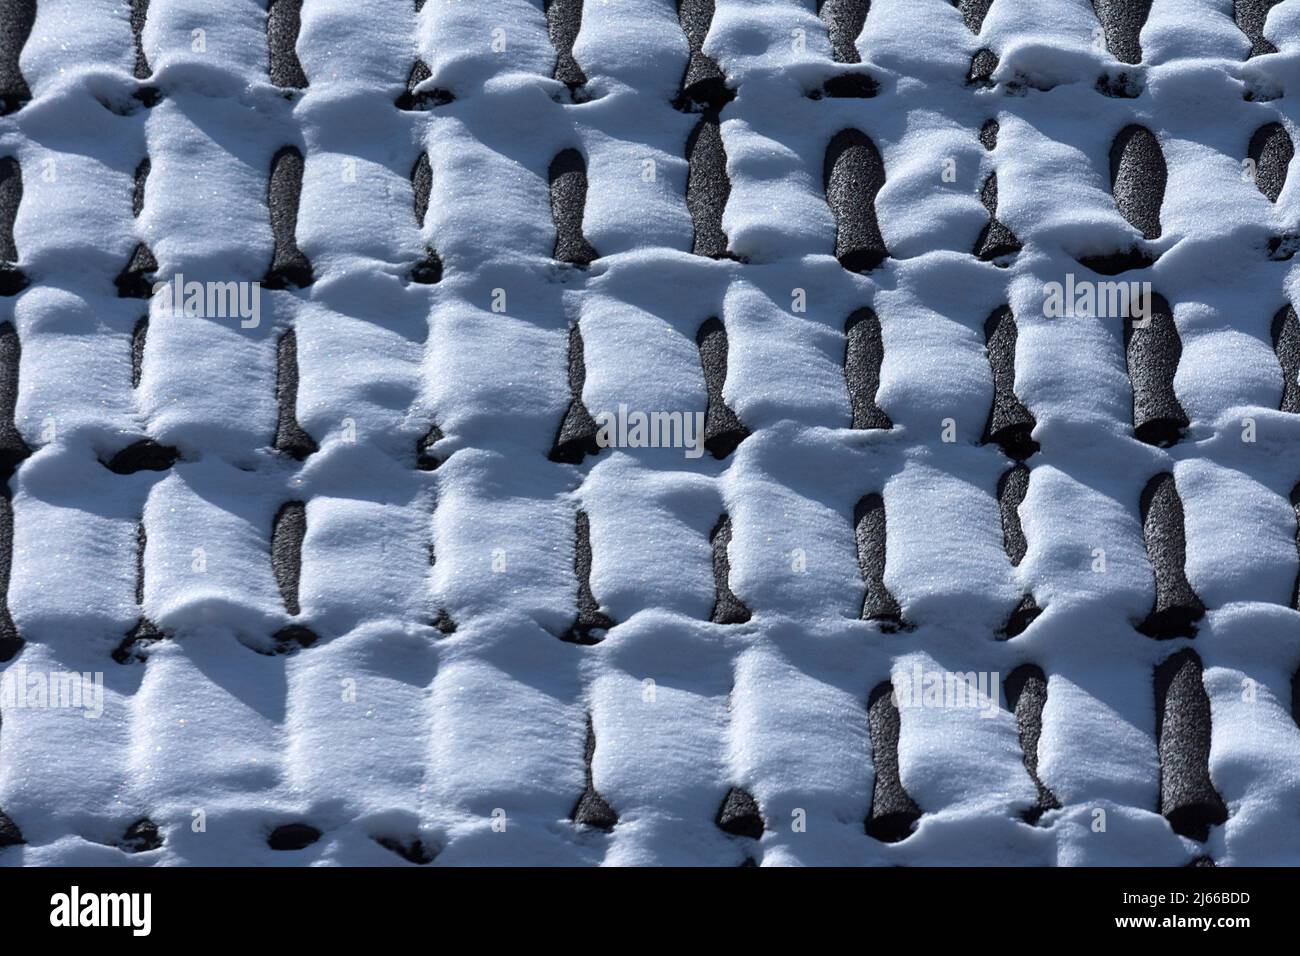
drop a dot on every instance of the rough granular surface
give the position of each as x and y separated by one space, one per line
723 432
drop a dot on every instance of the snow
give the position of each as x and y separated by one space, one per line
445 730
